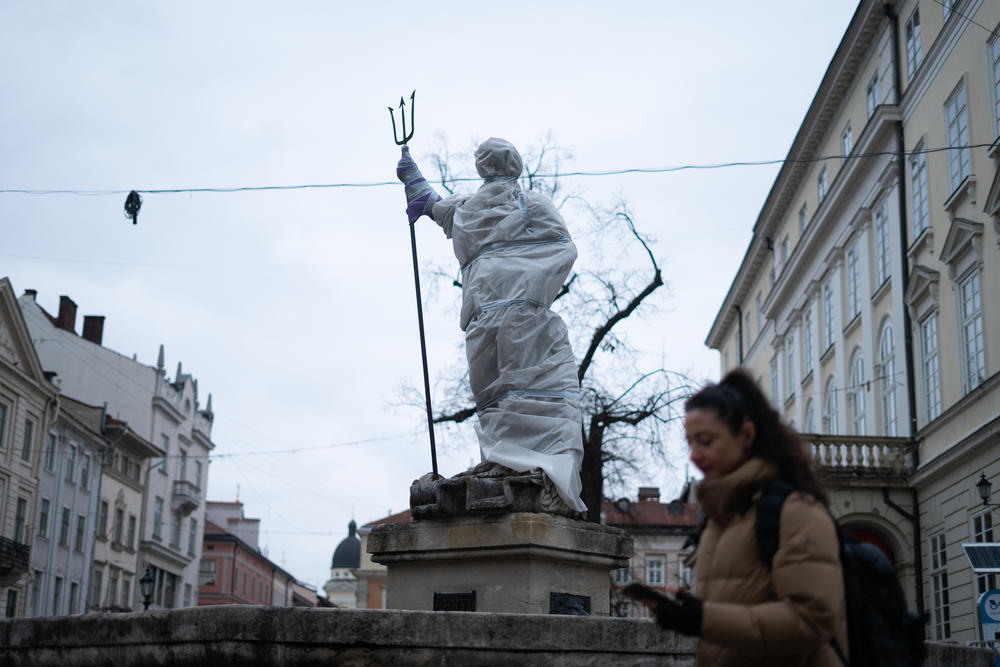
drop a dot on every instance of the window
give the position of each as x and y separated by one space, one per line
209 567
165 445
830 408
192 536
197 474
21 521
130 536
958 136
939 587
11 609
853 284
187 595
102 520
760 313
887 354
807 342
803 217
846 141
774 380
29 434
57 596
621 575
182 465
790 363
918 182
43 518
821 185
36 594
857 395
50 451
809 421
85 473
948 7
654 571
64 527
126 602
3 419
929 362
70 462
914 52
982 531
871 93
118 526
74 596
96 588
112 587
81 531
971 314
158 518
827 315
881 245
747 331
175 530
995 60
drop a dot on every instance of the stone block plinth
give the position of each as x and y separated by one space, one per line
521 562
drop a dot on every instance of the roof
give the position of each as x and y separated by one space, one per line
348 552
399 517
650 514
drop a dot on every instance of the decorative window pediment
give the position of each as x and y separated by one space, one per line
922 292
962 246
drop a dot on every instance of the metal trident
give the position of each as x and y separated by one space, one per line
416 282
402 114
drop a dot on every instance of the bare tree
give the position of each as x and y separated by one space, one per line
626 408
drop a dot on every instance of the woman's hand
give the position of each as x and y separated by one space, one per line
683 613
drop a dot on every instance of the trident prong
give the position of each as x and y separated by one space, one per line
402 114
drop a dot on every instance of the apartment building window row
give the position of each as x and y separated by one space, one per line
957 118
982 531
941 614
930 367
887 354
971 314
918 183
881 244
914 52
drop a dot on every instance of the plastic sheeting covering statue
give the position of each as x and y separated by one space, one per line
515 254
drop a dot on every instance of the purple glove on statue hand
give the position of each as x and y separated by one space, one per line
420 196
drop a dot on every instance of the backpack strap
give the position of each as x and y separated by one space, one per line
767 527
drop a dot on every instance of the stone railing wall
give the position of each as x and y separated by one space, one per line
840 454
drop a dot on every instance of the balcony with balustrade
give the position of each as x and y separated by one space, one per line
14 560
186 496
874 457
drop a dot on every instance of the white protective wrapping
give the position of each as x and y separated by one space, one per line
516 252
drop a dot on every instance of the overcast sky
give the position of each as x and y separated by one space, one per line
295 309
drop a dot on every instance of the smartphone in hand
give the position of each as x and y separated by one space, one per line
638 591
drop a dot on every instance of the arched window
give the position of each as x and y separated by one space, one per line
856 394
830 408
887 358
809 418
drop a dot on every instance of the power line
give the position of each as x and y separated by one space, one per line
595 173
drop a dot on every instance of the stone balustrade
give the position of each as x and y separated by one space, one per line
860 455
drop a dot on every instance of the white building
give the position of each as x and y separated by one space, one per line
164 412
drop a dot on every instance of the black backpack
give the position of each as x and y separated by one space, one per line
880 630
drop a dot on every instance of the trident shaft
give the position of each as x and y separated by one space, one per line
416 281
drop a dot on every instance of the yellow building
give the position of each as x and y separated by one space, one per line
868 301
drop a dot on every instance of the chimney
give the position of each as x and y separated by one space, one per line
32 293
649 493
93 328
67 314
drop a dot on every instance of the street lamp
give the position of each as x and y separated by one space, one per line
146 587
983 486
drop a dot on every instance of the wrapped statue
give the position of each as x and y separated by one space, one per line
515 253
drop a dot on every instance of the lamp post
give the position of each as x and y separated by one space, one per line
146 588
983 486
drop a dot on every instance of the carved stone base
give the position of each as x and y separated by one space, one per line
487 488
515 562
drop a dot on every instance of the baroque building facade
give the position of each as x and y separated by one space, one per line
162 412
866 301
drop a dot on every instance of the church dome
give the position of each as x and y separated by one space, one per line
348 552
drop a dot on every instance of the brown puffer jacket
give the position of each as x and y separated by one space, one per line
754 616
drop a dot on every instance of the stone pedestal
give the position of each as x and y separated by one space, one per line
520 562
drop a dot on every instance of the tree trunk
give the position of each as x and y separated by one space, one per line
592 470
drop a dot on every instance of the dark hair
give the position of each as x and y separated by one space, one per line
738 399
